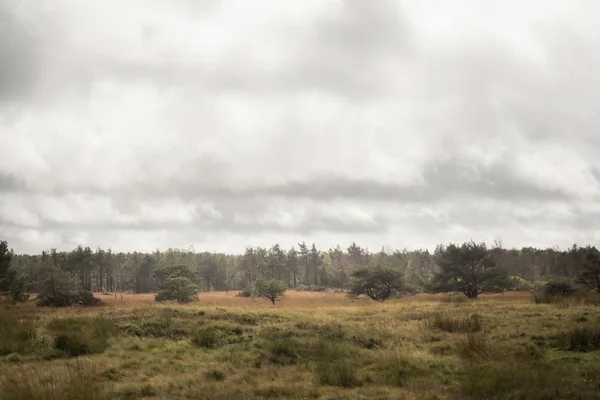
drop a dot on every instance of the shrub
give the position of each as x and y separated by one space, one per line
246 292
559 287
180 289
79 336
580 338
379 283
271 289
59 299
454 323
158 327
215 375
338 373
218 335
206 338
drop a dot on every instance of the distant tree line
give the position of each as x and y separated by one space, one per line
101 270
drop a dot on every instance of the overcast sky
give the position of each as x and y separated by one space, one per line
138 124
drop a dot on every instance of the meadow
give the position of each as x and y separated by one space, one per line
308 346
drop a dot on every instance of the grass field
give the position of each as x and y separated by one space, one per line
309 346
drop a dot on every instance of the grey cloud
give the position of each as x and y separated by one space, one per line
446 101
356 52
10 183
18 54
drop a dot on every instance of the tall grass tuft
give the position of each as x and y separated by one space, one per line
454 323
76 382
580 338
17 332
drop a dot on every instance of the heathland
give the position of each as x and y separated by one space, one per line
311 345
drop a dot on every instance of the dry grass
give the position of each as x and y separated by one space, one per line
312 346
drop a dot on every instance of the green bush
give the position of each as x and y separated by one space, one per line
156 327
79 336
218 335
271 289
180 289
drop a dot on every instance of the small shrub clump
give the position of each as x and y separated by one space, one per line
454 323
580 338
79 336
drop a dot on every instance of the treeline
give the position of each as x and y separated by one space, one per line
101 270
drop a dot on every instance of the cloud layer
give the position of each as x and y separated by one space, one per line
220 124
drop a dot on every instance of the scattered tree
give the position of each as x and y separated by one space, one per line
12 282
589 275
379 283
177 282
271 289
468 269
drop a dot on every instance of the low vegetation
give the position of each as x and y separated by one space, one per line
313 345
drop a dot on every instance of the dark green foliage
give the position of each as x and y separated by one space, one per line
13 284
454 323
271 289
560 287
215 375
580 338
177 282
244 293
180 289
469 269
59 299
157 327
379 283
17 332
589 275
79 336
219 335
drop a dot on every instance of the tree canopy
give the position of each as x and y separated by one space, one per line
271 289
469 269
177 282
379 283
12 281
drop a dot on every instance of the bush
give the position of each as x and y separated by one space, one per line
158 327
218 335
59 299
580 338
338 373
244 293
180 289
78 336
561 287
271 289
379 283
454 323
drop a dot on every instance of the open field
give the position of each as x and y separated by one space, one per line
309 346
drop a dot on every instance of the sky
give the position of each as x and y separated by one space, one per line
145 124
